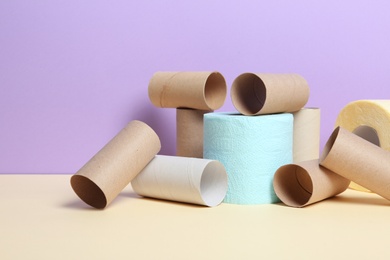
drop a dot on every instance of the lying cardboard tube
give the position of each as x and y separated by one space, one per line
190 180
105 175
254 94
358 160
304 183
189 132
197 90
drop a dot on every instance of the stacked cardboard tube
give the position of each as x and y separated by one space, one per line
358 150
131 156
260 95
192 94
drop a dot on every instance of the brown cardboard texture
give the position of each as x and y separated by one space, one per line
189 132
197 90
358 160
105 175
369 119
254 94
304 183
306 134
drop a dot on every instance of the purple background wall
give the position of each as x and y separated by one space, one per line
73 73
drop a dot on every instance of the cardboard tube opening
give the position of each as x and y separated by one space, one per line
293 185
105 175
368 133
248 93
213 183
88 191
215 90
329 143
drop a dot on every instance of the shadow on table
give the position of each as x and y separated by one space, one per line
374 200
155 200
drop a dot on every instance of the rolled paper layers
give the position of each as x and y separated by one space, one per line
251 148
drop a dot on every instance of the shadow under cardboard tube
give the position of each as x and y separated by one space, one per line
156 200
81 205
373 199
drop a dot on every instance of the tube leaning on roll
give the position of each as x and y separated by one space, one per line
358 160
369 119
105 175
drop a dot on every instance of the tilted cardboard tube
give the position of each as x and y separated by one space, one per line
369 119
358 160
190 180
197 90
306 132
254 94
304 183
189 132
105 175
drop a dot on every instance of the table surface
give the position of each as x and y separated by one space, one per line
42 218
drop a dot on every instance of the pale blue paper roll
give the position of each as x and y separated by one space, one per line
251 148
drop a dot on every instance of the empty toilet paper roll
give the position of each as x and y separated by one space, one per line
306 134
269 93
189 132
358 160
103 177
198 90
190 180
369 119
304 183
251 148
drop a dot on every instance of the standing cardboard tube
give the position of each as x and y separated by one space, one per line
103 177
197 90
189 132
304 183
358 160
254 94
306 132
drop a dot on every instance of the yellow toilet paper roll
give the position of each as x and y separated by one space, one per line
369 119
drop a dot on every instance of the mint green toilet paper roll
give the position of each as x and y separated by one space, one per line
251 148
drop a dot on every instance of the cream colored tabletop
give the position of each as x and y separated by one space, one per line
42 218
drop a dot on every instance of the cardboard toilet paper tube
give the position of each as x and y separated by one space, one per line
304 183
254 94
197 90
369 119
358 160
306 134
190 180
103 177
189 132
251 148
